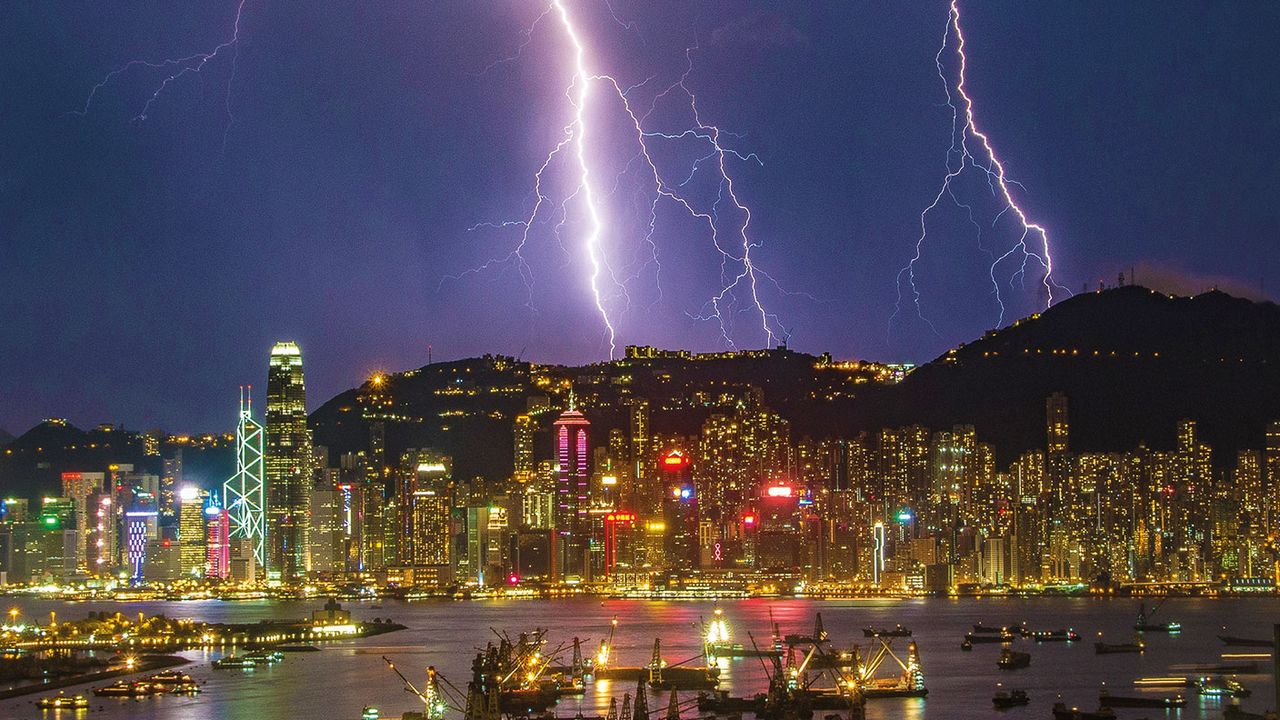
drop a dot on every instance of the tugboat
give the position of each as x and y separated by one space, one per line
895 631
62 701
1062 712
1011 660
1144 623
1005 699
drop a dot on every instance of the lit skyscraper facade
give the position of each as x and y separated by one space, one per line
573 454
287 464
244 492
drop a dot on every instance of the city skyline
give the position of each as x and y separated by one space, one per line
206 238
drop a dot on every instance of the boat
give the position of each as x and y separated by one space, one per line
895 631
134 689
233 662
1245 642
1062 712
370 713
1011 660
1145 624
297 648
980 628
62 701
169 677
1005 699
265 657
967 645
1067 635
1240 668
1220 687
1106 699
987 638
1102 648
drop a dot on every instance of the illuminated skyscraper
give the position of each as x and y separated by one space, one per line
244 492
287 464
217 540
1057 427
573 454
524 463
192 531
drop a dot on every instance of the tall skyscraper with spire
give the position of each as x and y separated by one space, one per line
288 464
573 456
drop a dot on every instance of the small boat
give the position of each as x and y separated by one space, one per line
967 645
62 701
1011 660
1062 712
1220 687
1005 699
895 631
1067 635
1102 648
1106 699
1245 642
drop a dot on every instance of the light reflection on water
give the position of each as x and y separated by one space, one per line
337 683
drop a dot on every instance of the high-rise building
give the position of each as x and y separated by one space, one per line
78 487
1057 426
524 459
217 539
1271 476
244 491
288 464
192 531
573 453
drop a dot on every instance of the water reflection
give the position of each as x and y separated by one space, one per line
338 682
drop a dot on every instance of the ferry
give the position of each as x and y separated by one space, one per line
265 657
134 689
1010 660
62 701
169 677
234 662
1005 699
1067 635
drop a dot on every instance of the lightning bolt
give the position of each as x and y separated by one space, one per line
176 69
1033 238
741 277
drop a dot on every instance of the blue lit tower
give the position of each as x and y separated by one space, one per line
243 492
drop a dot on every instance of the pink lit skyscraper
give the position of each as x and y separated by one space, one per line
573 455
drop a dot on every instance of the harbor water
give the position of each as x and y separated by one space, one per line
342 679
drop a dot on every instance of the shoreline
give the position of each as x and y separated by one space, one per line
146 663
